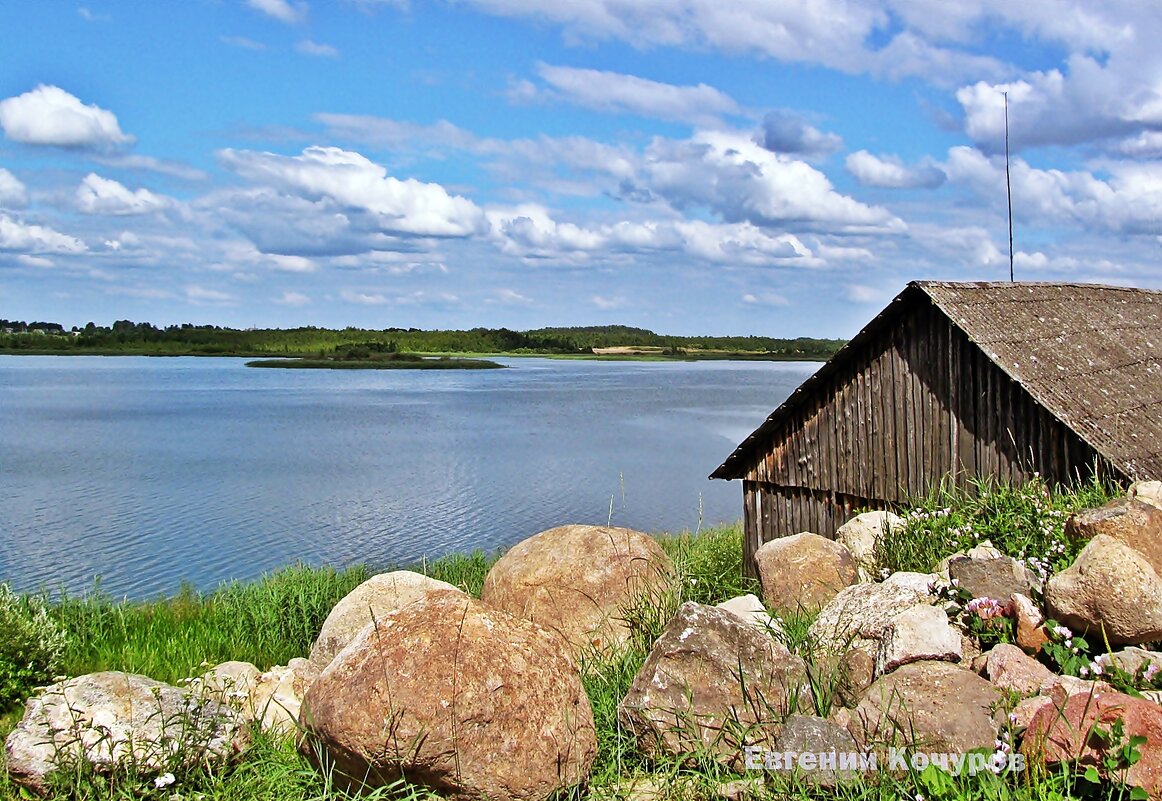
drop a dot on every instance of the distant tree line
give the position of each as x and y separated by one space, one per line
130 337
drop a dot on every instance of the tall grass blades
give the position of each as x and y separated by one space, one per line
1024 521
267 622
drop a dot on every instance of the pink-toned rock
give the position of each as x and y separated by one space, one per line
1064 733
803 572
1031 634
1010 668
1132 521
461 698
934 706
579 581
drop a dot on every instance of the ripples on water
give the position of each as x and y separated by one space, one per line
148 471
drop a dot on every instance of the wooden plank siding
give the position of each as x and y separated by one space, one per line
918 402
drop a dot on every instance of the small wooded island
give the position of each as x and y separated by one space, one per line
376 356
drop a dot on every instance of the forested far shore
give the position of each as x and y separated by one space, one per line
128 337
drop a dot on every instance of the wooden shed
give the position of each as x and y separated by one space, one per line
961 380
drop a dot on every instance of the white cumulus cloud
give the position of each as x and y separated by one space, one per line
35 239
889 172
97 195
353 181
787 132
740 180
48 115
13 193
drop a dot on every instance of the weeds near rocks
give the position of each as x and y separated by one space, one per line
31 645
1024 521
266 622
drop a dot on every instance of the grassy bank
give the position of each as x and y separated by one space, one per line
273 619
441 363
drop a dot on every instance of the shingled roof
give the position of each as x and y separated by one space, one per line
1089 354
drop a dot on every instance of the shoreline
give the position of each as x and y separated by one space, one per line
739 356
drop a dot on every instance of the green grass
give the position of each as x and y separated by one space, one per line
1023 521
275 618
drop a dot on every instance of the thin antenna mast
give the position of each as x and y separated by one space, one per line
1008 187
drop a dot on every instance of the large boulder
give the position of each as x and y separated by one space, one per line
858 616
711 685
370 601
1132 521
917 634
115 719
460 698
931 706
1063 733
862 534
1110 587
579 581
803 572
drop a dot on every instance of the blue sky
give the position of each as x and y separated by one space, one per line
691 166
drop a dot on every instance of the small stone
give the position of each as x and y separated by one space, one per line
1010 668
810 734
1023 713
1133 659
749 609
1147 491
985 550
740 789
862 533
857 672
921 632
996 577
920 582
1031 633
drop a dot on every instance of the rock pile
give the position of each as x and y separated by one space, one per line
476 699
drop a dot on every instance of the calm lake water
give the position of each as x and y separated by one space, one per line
147 472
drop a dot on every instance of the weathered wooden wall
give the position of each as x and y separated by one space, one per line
918 402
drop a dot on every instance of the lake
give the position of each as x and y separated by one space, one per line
150 472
